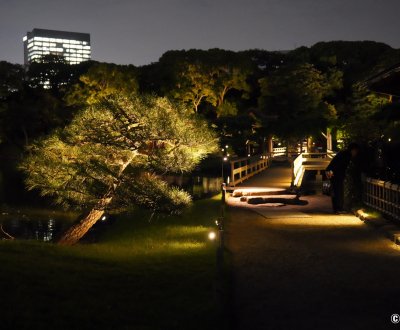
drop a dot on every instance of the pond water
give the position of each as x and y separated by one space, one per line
198 186
47 225
37 224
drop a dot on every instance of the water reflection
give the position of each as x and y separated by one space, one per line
41 225
197 186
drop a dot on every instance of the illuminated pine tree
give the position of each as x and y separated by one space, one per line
111 155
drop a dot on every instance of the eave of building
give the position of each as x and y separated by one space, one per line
386 82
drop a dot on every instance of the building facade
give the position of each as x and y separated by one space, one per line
74 47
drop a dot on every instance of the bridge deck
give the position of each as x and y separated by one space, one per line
277 176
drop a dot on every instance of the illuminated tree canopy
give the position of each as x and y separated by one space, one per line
102 80
112 155
199 77
358 119
199 82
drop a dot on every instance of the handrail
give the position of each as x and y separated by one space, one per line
312 161
244 168
382 196
281 151
330 153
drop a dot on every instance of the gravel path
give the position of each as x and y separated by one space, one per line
303 268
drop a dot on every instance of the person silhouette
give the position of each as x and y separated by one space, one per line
336 173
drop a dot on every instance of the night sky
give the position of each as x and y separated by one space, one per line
140 31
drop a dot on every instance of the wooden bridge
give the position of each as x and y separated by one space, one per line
259 172
243 169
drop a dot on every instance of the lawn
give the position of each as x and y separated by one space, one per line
138 275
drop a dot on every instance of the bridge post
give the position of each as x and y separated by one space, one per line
270 145
232 172
329 145
293 175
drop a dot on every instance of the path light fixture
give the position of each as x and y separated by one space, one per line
212 235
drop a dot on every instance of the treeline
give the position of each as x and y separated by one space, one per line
246 96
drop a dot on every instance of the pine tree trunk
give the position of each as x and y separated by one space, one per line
77 231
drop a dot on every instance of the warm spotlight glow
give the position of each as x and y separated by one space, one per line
103 218
212 236
362 214
225 159
396 238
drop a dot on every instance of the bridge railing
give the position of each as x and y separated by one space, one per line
244 168
383 196
309 161
278 152
281 151
330 153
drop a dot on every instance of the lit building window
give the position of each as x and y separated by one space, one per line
39 43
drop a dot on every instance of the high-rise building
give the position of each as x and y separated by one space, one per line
73 46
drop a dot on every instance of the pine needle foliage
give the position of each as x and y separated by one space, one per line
115 150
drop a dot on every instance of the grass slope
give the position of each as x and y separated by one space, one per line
139 275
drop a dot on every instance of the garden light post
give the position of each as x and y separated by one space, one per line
225 156
224 159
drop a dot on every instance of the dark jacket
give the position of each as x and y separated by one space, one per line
339 164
